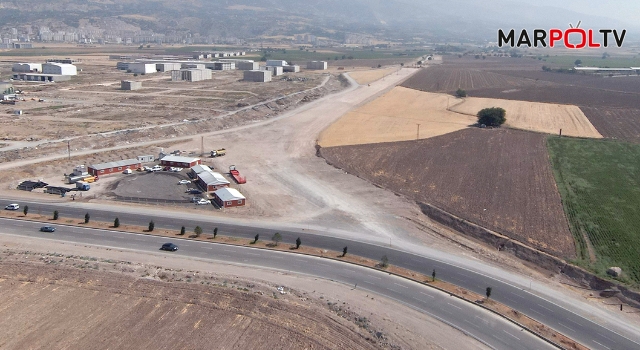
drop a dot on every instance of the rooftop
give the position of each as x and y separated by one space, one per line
119 163
179 159
228 194
212 178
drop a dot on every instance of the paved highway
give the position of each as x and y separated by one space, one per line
545 310
470 319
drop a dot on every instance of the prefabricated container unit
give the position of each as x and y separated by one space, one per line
277 63
59 68
114 167
291 69
318 65
191 75
123 65
224 65
200 168
26 67
180 162
248 65
193 66
146 158
257 76
275 70
167 67
142 68
212 181
229 197
130 85
41 77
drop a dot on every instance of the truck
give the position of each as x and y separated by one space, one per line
90 179
235 174
82 186
218 153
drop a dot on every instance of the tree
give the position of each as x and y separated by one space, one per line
215 232
86 218
401 64
276 238
384 262
379 66
344 251
255 239
152 225
55 215
116 222
577 62
183 230
197 231
494 116
433 275
25 210
461 93
488 292
298 243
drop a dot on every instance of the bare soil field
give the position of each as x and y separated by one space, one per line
77 302
540 117
616 123
506 184
394 117
364 77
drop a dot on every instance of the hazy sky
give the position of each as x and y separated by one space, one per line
624 10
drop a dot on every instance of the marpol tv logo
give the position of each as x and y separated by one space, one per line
571 38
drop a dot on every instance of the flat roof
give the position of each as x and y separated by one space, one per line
228 194
212 178
115 164
200 168
179 159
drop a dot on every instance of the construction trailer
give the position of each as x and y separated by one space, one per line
224 65
142 68
41 77
317 65
180 162
291 69
193 66
114 167
191 75
130 85
168 66
275 70
248 65
277 63
229 197
257 76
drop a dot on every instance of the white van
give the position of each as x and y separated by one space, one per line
12 206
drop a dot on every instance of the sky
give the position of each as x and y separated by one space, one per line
627 11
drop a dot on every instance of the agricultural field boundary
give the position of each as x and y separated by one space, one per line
445 287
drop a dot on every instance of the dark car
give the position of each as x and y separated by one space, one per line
169 247
194 191
47 229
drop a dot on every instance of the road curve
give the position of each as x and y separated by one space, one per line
542 309
472 320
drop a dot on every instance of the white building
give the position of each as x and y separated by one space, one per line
26 67
291 69
275 70
276 63
318 65
168 66
248 65
142 68
193 66
59 69
191 75
130 85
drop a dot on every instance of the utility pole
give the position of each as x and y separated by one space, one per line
201 146
418 134
69 149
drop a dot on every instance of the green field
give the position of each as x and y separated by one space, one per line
599 182
594 61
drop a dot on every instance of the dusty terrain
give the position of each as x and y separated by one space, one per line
364 77
81 297
541 117
395 117
506 184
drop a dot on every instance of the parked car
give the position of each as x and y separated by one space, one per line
184 182
194 191
203 202
169 247
127 171
195 199
12 206
175 170
154 168
47 229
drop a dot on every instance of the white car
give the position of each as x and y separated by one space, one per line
184 182
12 206
175 170
203 202
127 171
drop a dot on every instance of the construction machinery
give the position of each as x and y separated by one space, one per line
236 175
218 153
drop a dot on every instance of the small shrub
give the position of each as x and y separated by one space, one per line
152 225
87 217
183 230
116 223
55 215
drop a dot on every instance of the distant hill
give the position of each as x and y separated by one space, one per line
448 20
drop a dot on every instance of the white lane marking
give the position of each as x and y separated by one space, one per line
511 334
569 328
420 300
325 265
604 336
400 285
600 344
430 296
472 324
538 312
209 248
500 339
229 250
367 282
519 296
378 278
457 307
546 308
254 254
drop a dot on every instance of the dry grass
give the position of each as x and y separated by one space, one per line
534 116
369 76
394 117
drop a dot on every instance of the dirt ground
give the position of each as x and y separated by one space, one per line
541 117
452 172
364 77
395 117
92 295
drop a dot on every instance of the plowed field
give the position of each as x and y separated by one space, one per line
395 117
500 179
541 117
616 123
55 307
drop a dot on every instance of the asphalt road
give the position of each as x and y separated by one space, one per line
575 326
478 323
